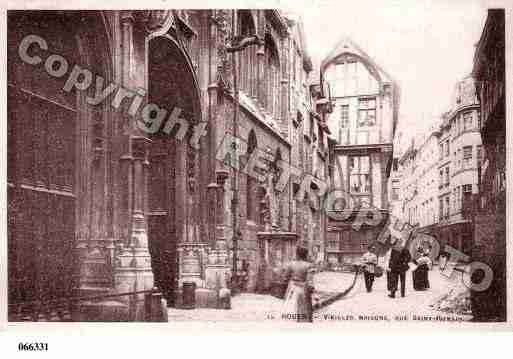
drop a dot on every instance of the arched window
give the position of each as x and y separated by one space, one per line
251 183
247 57
276 164
272 76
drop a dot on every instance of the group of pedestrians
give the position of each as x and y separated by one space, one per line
298 274
397 262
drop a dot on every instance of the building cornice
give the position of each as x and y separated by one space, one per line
260 119
457 111
472 169
382 147
471 131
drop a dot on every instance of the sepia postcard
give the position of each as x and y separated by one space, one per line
341 163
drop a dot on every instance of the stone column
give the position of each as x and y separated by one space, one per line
217 270
133 264
261 61
219 76
285 109
214 68
221 177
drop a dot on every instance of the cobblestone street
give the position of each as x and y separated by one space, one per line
376 304
257 307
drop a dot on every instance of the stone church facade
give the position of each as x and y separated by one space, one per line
100 203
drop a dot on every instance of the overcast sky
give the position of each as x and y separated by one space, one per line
425 45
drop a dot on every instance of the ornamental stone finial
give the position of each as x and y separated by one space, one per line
154 20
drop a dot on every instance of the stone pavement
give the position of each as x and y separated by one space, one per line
245 307
251 307
332 281
258 307
359 304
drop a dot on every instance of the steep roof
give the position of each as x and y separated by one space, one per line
347 46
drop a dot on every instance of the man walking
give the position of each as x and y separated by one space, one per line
397 267
369 262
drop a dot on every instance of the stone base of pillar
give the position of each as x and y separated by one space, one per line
218 269
192 259
133 280
275 249
208 268
95 271
102 275
133 273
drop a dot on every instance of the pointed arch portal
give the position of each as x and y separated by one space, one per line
171 85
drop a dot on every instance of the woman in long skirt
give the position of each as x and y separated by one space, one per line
421 274
298 298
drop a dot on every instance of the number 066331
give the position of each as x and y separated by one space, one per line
33 346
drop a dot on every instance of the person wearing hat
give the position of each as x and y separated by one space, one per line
298 297
369 261
397 266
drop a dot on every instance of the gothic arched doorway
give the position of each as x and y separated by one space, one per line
172 86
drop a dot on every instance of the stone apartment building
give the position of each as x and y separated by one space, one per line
108 204
460 153
439 172
362 121
419 181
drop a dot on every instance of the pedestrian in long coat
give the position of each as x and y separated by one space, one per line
397 266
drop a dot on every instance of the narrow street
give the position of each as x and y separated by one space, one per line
257 307
376 306
358 305
187 152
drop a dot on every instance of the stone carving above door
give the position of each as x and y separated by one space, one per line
154 21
